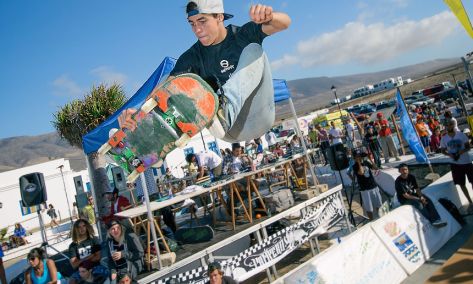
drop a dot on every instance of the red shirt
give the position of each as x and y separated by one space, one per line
115 208
434 142
384 129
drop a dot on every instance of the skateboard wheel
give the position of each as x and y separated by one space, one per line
149 105
104 149
183 140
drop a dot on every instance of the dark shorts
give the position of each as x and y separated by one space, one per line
425 141
460 171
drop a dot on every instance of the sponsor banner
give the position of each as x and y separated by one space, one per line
360 258
320 217
410 237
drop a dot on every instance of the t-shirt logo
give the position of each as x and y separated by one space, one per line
84 252
226 66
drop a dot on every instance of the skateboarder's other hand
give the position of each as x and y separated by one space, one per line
261 14
125 120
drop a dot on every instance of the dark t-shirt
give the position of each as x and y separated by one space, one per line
121 263
365 181
216 63
408 185
84 248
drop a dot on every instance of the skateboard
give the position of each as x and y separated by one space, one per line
173 113
194 235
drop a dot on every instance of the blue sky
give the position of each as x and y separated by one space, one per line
54 51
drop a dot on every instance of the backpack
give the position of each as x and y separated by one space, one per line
453 210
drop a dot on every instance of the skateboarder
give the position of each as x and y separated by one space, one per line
223 52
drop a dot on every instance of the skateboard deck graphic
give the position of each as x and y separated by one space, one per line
194 235
172 114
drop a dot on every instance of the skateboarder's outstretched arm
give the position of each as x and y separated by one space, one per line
272 22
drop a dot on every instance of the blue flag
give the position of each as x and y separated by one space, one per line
408 131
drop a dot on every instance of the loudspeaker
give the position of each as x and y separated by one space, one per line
119 178
337 157
78 184
33 189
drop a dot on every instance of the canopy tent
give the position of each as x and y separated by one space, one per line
97 137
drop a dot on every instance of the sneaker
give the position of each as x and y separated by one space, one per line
439 223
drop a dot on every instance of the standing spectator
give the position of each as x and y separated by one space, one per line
3 277
216 276
19 235
362 170
324 141
435 141
123 251
423 132
85 247
118 204
335 134
447 117
385 138
455 144
372 143
206 161
313 136
351 140
270 138
52 214
41 270
408 193
75 211
88 212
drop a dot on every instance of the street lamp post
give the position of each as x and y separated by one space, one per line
334 90
65 191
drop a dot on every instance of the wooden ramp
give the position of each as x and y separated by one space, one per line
458 268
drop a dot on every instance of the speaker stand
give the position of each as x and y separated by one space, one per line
351 213
45 245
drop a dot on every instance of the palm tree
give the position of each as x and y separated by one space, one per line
78 117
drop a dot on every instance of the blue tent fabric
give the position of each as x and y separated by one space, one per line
281 91
97 137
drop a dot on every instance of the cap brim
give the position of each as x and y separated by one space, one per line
227 16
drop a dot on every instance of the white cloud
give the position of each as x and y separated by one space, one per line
64 86
108 76
368 44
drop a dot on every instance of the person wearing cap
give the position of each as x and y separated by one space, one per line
423 131
455 144
385 138
215 274
123 251
223 52
207 160
118 203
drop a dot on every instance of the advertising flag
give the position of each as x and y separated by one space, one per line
408 131
459 10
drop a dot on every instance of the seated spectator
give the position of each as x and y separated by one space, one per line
118 204
85 247
41 270
87 275
278 150
237 162
408 193
216 276
123 251
19 235
124 279
3 277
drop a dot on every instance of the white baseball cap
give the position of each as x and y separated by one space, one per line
209 7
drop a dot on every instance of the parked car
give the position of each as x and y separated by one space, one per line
384 105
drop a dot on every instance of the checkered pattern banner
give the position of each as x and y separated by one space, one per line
316 221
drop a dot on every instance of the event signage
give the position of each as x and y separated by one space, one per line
272 249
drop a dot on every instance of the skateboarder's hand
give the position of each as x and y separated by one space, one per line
261 14
125 119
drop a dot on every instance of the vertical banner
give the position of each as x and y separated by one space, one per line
459 10
408 131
